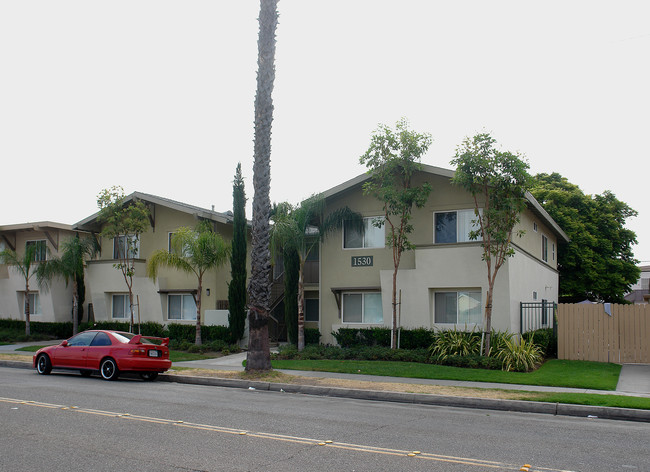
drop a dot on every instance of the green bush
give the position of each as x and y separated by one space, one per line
312 336
419 338
455 343
546 339
522 356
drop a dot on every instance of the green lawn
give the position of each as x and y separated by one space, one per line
555 373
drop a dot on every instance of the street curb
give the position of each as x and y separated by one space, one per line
520 406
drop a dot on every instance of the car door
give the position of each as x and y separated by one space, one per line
99 347
72 354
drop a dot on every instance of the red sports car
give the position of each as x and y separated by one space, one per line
109 352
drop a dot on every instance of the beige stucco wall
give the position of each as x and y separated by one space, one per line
56 302
434 267
105 280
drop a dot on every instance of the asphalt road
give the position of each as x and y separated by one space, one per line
82 424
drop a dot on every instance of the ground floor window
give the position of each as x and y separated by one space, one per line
362 308
460 307
121 306
34 303
181 307
311 309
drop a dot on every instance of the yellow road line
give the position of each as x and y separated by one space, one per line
285 438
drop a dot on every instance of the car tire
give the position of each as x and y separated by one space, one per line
149 376
85 373
43 364
108 369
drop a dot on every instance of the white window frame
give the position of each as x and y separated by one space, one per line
135 251
459 293
37 256
363 305
471 227
183 296
126 306
369 224
34 303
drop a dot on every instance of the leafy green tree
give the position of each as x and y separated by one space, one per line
123 222
193 252
259 289
238 273
498 181
597 263
392 159
70 266
25 267
301 228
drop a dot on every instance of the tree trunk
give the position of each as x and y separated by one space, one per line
75 306
301 307
393 340
27 327
259 355
488 319
197 299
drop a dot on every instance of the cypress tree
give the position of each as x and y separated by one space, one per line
237 286
291 269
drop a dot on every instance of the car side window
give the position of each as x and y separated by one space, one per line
81 339
101 339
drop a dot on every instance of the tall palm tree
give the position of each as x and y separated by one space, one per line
194 252
259 289
23 265
70 266
301 228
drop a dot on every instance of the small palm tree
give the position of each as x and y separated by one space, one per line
23 265
70 266
193 252
301 228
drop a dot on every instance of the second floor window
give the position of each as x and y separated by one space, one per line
40 250
544 248
372 237
454 226
123 243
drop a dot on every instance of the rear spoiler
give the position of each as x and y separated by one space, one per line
136 340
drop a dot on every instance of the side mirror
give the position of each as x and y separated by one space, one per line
64 343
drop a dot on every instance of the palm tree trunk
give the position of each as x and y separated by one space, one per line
75 306
197 299
301 307
259 355
27 327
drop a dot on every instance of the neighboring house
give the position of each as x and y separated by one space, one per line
170 298
443 281
640 291
54 304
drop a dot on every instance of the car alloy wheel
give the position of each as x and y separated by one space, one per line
109 369
43 364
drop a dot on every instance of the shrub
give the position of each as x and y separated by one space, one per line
546 339
455 343
419 338
312 336
522 356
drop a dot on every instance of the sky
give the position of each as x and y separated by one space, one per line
157 96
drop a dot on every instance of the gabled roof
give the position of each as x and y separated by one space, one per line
90 222
36 226
533 204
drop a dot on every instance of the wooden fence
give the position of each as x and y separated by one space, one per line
588 332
